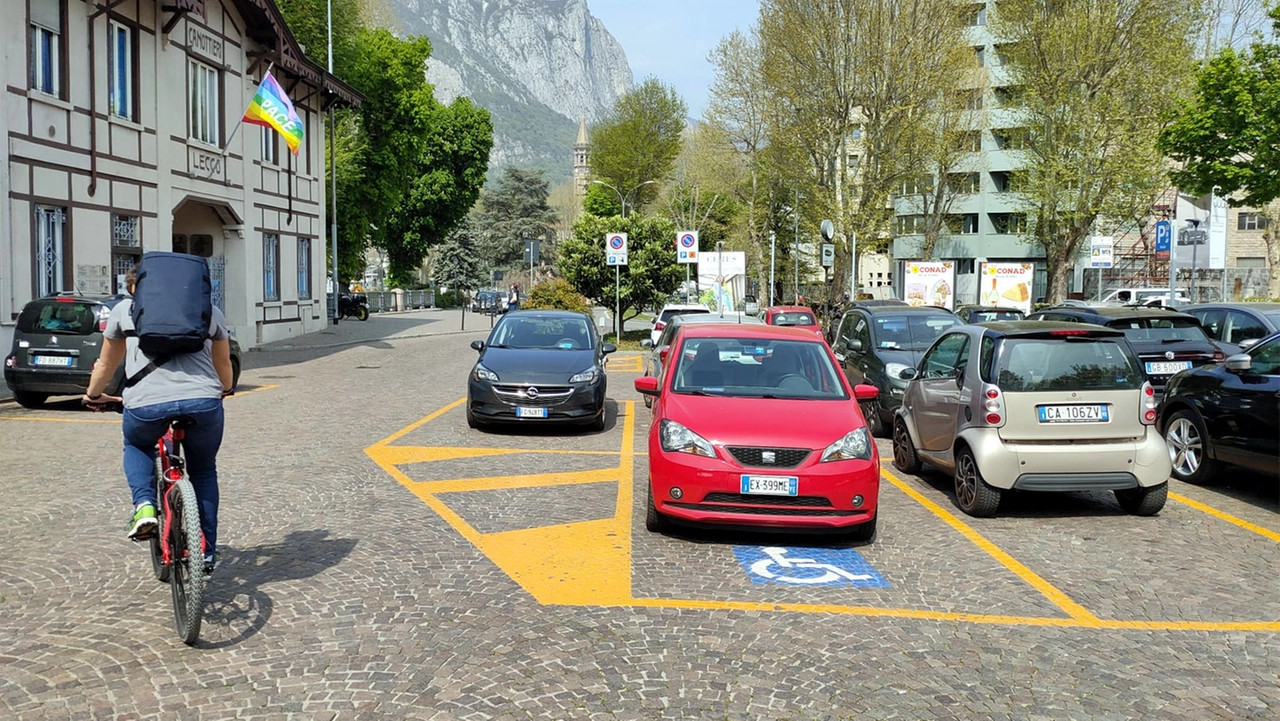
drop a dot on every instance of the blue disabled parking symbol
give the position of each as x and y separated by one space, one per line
808 567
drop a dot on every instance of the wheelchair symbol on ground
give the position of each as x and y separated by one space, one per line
808 567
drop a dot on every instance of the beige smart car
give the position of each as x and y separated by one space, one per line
1035 406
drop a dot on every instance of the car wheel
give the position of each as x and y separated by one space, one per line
904 451
973 495
235 373
1189 449
866 532
27 399
597 425
875 424
654 522
1143 501
472 422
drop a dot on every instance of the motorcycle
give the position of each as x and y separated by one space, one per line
353 305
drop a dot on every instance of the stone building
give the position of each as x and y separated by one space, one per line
581 161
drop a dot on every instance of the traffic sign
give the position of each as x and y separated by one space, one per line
687 246
616 258
615 248
828 255
1101 249
1164 238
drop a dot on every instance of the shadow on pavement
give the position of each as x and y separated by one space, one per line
1246 487
1024 504
553 430
236 607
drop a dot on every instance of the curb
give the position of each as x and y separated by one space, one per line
340 344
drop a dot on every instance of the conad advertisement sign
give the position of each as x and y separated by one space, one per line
1008 285
932 283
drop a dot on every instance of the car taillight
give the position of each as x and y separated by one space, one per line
993 405
659 325
1148 411
11 361
1219 356
1068 332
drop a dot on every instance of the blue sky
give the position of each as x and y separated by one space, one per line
670 39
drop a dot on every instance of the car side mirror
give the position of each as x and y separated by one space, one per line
907 374
853 344
477 345
646 344
1240 363
647 385
864 392
608 348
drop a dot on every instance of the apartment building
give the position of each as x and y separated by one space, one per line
122 135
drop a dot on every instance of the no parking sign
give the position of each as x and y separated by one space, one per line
687 246
615 248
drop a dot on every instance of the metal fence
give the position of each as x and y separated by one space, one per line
388 300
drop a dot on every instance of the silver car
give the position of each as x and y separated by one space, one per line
1036 406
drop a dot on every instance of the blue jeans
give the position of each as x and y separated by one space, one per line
142 430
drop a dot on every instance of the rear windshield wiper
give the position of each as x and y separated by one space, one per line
1174 340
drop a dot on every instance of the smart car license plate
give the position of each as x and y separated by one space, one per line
1167 369
1073 414
54 360
770 485
531 412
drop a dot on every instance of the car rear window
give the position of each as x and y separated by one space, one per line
67 318
669 312
794 318
1156 330
989 316
1067 364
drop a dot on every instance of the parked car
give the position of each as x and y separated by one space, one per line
656 358
833 318
987 314
754 426
1167 341
1225 414
1140 296
875 343
1035 406
539 366
795 316
673 309
486 301
750 305
1237 325
55 343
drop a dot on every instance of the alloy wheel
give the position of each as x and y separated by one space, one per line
966 481
1185 446
900 440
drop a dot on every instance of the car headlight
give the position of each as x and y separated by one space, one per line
484 374
893 369
587 376
678 439
855 445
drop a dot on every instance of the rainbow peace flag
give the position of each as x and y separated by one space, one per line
271 108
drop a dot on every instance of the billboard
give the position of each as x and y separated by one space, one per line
929 283
1009 285
1200 232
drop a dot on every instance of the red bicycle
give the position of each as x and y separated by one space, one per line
178 548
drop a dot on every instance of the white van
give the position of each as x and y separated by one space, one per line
1140 296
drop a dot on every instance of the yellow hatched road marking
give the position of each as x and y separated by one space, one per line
1264 532
1048 590
625 364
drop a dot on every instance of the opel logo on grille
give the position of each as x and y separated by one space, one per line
768 457
532 393
1168 355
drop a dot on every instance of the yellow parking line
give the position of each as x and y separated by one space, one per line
1051 592
415 426
251 391
1265 533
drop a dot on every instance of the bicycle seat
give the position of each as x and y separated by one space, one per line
181 422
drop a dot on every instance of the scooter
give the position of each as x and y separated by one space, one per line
353 305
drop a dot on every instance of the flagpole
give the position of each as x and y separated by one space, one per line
333 176
236 128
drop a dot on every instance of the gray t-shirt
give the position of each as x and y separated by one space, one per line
182 377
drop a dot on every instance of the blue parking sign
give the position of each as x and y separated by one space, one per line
808 567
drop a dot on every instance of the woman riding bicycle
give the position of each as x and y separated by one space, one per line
188 386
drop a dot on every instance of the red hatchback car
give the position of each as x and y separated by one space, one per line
755 426
794 316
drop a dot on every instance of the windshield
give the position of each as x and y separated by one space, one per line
751 368
916 332
670 312
1158 330
1038 364
794 318
547 333
59 317
989 316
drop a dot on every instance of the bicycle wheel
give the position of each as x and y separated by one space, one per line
187 580
157 550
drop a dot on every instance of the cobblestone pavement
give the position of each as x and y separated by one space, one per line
382 560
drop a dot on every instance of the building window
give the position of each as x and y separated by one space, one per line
270 266
1010 138
46 46
977 16
120 62
304 269
50 264
964 183
908 224
971 98
970 142
910 186
203 103
966 224
1005 181
1251 263
270 147
126 249
980 55
1009 223
1009 96
1251 221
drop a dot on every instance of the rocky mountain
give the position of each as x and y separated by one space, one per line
537 65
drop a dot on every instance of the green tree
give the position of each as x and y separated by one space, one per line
1227 136
514 208
652 273
601 202
457 265
1093 79
639 140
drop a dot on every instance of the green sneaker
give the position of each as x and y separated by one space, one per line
144 524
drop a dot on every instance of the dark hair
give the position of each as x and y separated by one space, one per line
131 278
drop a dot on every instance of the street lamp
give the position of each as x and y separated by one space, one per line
621 197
